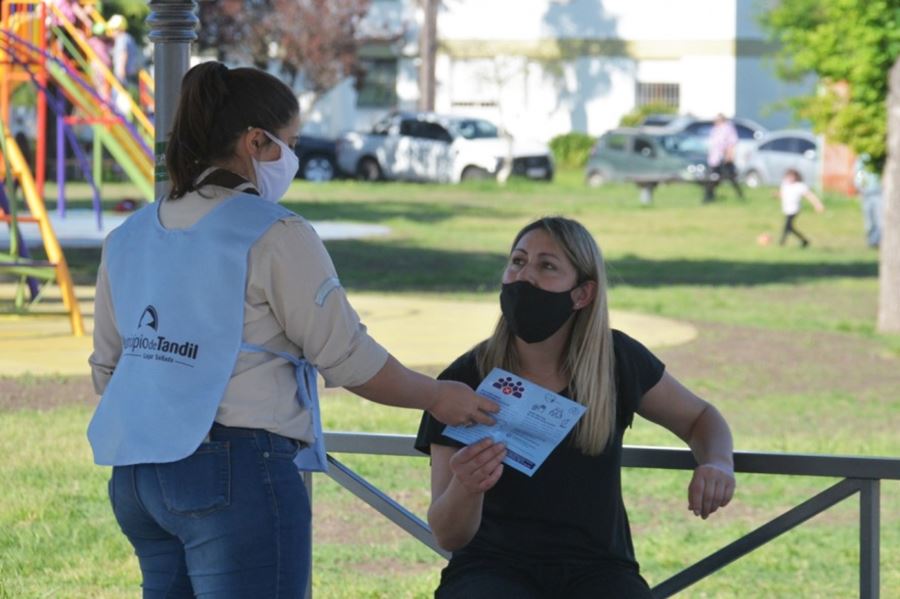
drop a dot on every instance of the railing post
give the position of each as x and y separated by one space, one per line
308 483
869 538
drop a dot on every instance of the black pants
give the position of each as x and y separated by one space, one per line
717 174
490 579
790 229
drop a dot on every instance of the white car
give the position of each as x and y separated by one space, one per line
766 161
425 146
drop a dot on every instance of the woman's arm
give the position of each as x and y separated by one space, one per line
459 479
449 401
107 342
703 428
296 277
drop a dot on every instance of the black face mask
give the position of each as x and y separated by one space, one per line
534 314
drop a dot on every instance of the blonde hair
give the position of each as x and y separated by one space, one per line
589 361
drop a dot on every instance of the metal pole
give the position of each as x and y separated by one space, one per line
869 539
173 25
308 482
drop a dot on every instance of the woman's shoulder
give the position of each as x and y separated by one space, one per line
293 236
463 369
636 366
625 343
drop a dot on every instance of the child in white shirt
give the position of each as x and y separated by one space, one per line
792 192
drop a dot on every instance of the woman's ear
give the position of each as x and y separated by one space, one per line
584 294
254 140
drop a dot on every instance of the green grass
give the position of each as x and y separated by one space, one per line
831 391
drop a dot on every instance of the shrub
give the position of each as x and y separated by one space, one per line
637 115
572 150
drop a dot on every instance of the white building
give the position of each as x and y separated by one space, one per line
544 67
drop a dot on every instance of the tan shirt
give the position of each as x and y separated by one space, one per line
288 267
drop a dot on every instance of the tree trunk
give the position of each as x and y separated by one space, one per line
428 53
889 272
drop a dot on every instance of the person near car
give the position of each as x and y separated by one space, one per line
723 140
215 307
563 531
871 193
792 192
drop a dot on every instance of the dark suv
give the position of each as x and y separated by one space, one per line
316 158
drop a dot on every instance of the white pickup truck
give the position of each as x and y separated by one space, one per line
425 146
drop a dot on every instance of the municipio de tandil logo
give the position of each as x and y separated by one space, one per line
149 318
150 345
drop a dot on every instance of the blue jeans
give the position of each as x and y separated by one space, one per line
230 521
871 209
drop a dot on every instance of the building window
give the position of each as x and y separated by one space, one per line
379 88
473 104
668 94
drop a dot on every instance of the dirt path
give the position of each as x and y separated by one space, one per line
756 361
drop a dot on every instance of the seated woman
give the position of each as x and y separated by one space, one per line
563 532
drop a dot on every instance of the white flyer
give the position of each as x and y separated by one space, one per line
532 420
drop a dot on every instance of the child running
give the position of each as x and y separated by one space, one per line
792 192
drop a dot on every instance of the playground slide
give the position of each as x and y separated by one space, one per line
115 137
35 204
121 139
77 36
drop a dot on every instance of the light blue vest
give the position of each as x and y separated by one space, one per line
178 299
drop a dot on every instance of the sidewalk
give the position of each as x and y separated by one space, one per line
78 229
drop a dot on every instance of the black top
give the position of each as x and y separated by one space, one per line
570 510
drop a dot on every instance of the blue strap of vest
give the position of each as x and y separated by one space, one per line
311 458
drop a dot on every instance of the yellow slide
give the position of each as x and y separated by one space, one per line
117 139
22 173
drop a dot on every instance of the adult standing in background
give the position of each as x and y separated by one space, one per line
723 139
127 60
868 185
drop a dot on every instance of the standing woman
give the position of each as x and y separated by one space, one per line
564 531
214 308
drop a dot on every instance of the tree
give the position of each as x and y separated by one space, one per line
319 41
238 30
315 40
428 53
851 46
889 273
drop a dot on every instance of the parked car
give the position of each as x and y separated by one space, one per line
317 158
646 156
765 162
658 120
694 133
424 146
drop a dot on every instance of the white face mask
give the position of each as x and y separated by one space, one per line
274 176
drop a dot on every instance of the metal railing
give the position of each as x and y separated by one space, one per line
858 474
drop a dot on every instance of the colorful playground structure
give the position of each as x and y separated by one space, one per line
47 46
